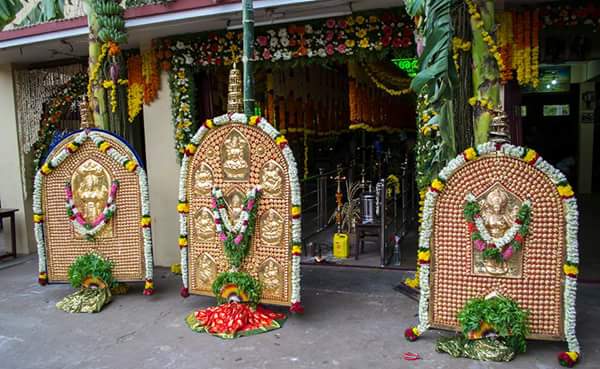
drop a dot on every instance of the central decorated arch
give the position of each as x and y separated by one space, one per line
233 156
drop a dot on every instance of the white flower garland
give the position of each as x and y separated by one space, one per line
53 161
506 238
267 128
572 226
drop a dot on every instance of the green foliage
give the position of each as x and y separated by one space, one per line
236 253
470 210
244 282
505 316
434 85
492 253
8 11
45 11
90 265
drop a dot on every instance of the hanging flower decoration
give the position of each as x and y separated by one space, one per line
112 87
236 238
360 37
458 45
151 75
129 163
82 226
66 99
570 267
135 92
518 45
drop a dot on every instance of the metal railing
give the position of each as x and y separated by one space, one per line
317 202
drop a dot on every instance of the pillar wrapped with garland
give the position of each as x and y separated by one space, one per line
487 65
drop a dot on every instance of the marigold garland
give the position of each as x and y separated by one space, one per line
487 37
518 39
458 45
112 86
135 93
151 76
506 43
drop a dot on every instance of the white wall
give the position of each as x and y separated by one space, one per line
163 176
11 191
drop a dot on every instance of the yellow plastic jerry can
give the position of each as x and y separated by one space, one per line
341 246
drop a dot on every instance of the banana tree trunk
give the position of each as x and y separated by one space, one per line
97 103
486 75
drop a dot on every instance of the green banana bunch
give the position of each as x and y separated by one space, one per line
107 7
109 34
111 22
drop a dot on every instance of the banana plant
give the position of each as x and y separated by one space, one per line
437 76
8 11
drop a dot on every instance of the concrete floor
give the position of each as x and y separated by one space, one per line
354 319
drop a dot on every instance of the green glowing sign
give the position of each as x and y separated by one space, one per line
409 65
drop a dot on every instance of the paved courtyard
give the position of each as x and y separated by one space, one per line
354 319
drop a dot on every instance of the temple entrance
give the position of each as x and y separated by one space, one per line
348 134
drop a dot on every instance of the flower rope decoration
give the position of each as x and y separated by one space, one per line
501 248
81 225
570 268
236 238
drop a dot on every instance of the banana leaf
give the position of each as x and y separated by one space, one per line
8 11
44 11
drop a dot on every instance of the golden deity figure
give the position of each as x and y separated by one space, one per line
271 277
203 180
204 224
271 179
235 205
497 213
235 157
90 184
271 228
206 270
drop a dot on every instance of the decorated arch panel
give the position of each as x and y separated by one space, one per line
500 221
91 194
234 157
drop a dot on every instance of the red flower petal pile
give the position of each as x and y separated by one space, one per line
234 318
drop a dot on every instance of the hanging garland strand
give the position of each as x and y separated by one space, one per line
236 238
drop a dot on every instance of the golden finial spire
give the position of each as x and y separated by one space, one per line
235 103
499 128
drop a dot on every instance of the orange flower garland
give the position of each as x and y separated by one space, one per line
151 76
505 44
535 50
526 47
523 43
